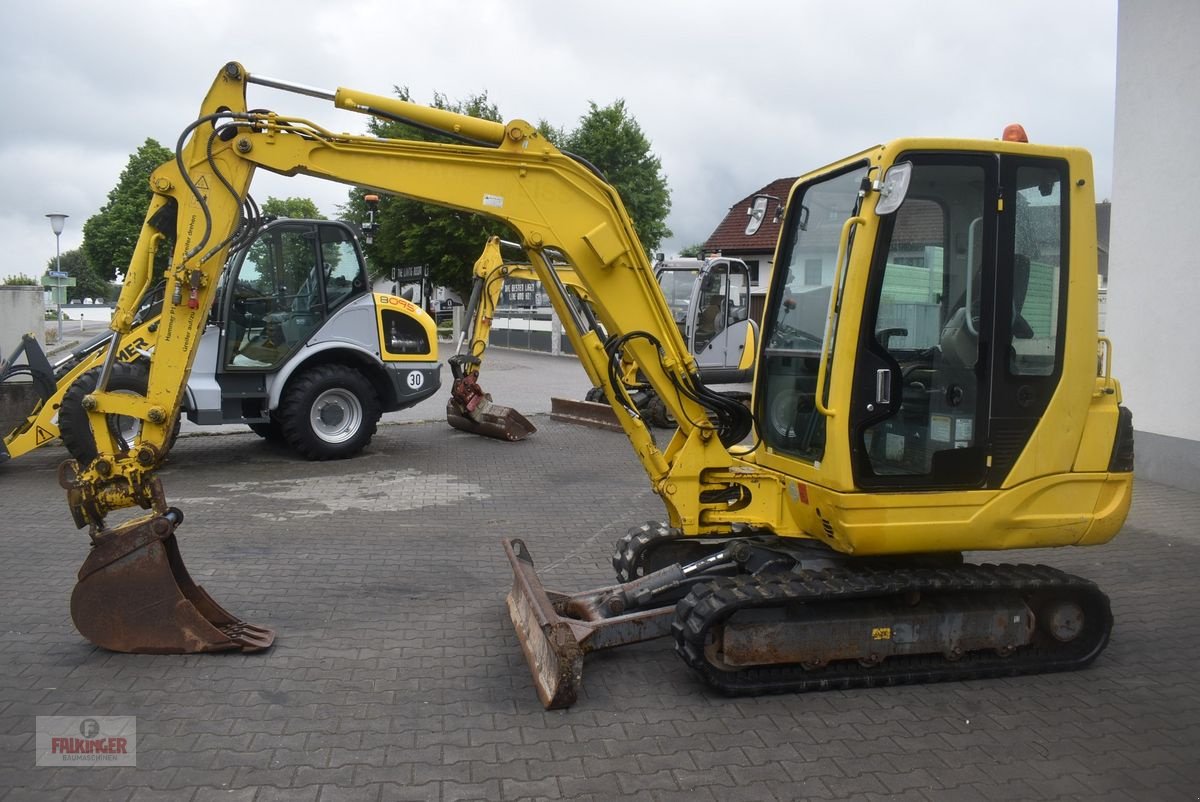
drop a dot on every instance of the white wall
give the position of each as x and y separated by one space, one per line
1154 275
22 311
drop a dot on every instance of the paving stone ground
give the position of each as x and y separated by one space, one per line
396 674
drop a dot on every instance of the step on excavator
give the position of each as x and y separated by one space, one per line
929 381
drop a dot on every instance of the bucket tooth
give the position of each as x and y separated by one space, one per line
135 595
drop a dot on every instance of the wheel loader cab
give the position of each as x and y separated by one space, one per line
961 295
283 286
723 299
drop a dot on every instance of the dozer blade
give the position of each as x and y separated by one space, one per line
470 409
557 630
587 413
134 595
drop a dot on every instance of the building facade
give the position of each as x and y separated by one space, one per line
1154 283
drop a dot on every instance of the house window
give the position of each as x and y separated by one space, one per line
753 265
812 272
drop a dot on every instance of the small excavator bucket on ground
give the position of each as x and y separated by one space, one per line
556 630
470 409
135 595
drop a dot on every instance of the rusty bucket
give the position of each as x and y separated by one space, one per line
135 595
470 409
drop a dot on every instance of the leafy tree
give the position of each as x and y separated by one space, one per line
20 280
448 242
613 142
109 236
301 208
296 252
410 233
695 251
88 281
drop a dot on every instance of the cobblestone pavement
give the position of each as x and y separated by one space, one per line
396 674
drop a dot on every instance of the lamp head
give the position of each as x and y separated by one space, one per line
56 222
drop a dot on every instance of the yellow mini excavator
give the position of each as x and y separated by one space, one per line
926 383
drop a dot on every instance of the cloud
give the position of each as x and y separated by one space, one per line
731 95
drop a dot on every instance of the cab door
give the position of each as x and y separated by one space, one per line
951 377
919 405
722 303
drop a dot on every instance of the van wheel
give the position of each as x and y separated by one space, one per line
329 412
76 430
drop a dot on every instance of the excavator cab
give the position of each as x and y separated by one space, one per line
961 331
926 385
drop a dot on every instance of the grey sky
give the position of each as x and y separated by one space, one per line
731 95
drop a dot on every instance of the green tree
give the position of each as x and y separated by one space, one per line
411 233
448 242
109 236
612 141
301 208
295 251
88 281
695 251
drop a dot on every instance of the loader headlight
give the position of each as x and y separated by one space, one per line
893 188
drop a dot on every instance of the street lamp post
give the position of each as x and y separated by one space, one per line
56 222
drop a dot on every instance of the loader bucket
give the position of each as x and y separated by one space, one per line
556 630
135 595
471 410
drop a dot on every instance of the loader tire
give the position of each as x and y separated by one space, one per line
76 430
630 553
270 431
655 545
657 413
329 412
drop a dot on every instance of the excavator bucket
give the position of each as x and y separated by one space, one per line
556 630
470 409
135 595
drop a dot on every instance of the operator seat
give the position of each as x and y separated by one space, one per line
959 345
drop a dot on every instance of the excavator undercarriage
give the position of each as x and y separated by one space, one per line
757 614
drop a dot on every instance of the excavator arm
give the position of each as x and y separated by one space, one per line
510 172
555 202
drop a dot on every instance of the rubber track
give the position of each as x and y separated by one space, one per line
712 602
